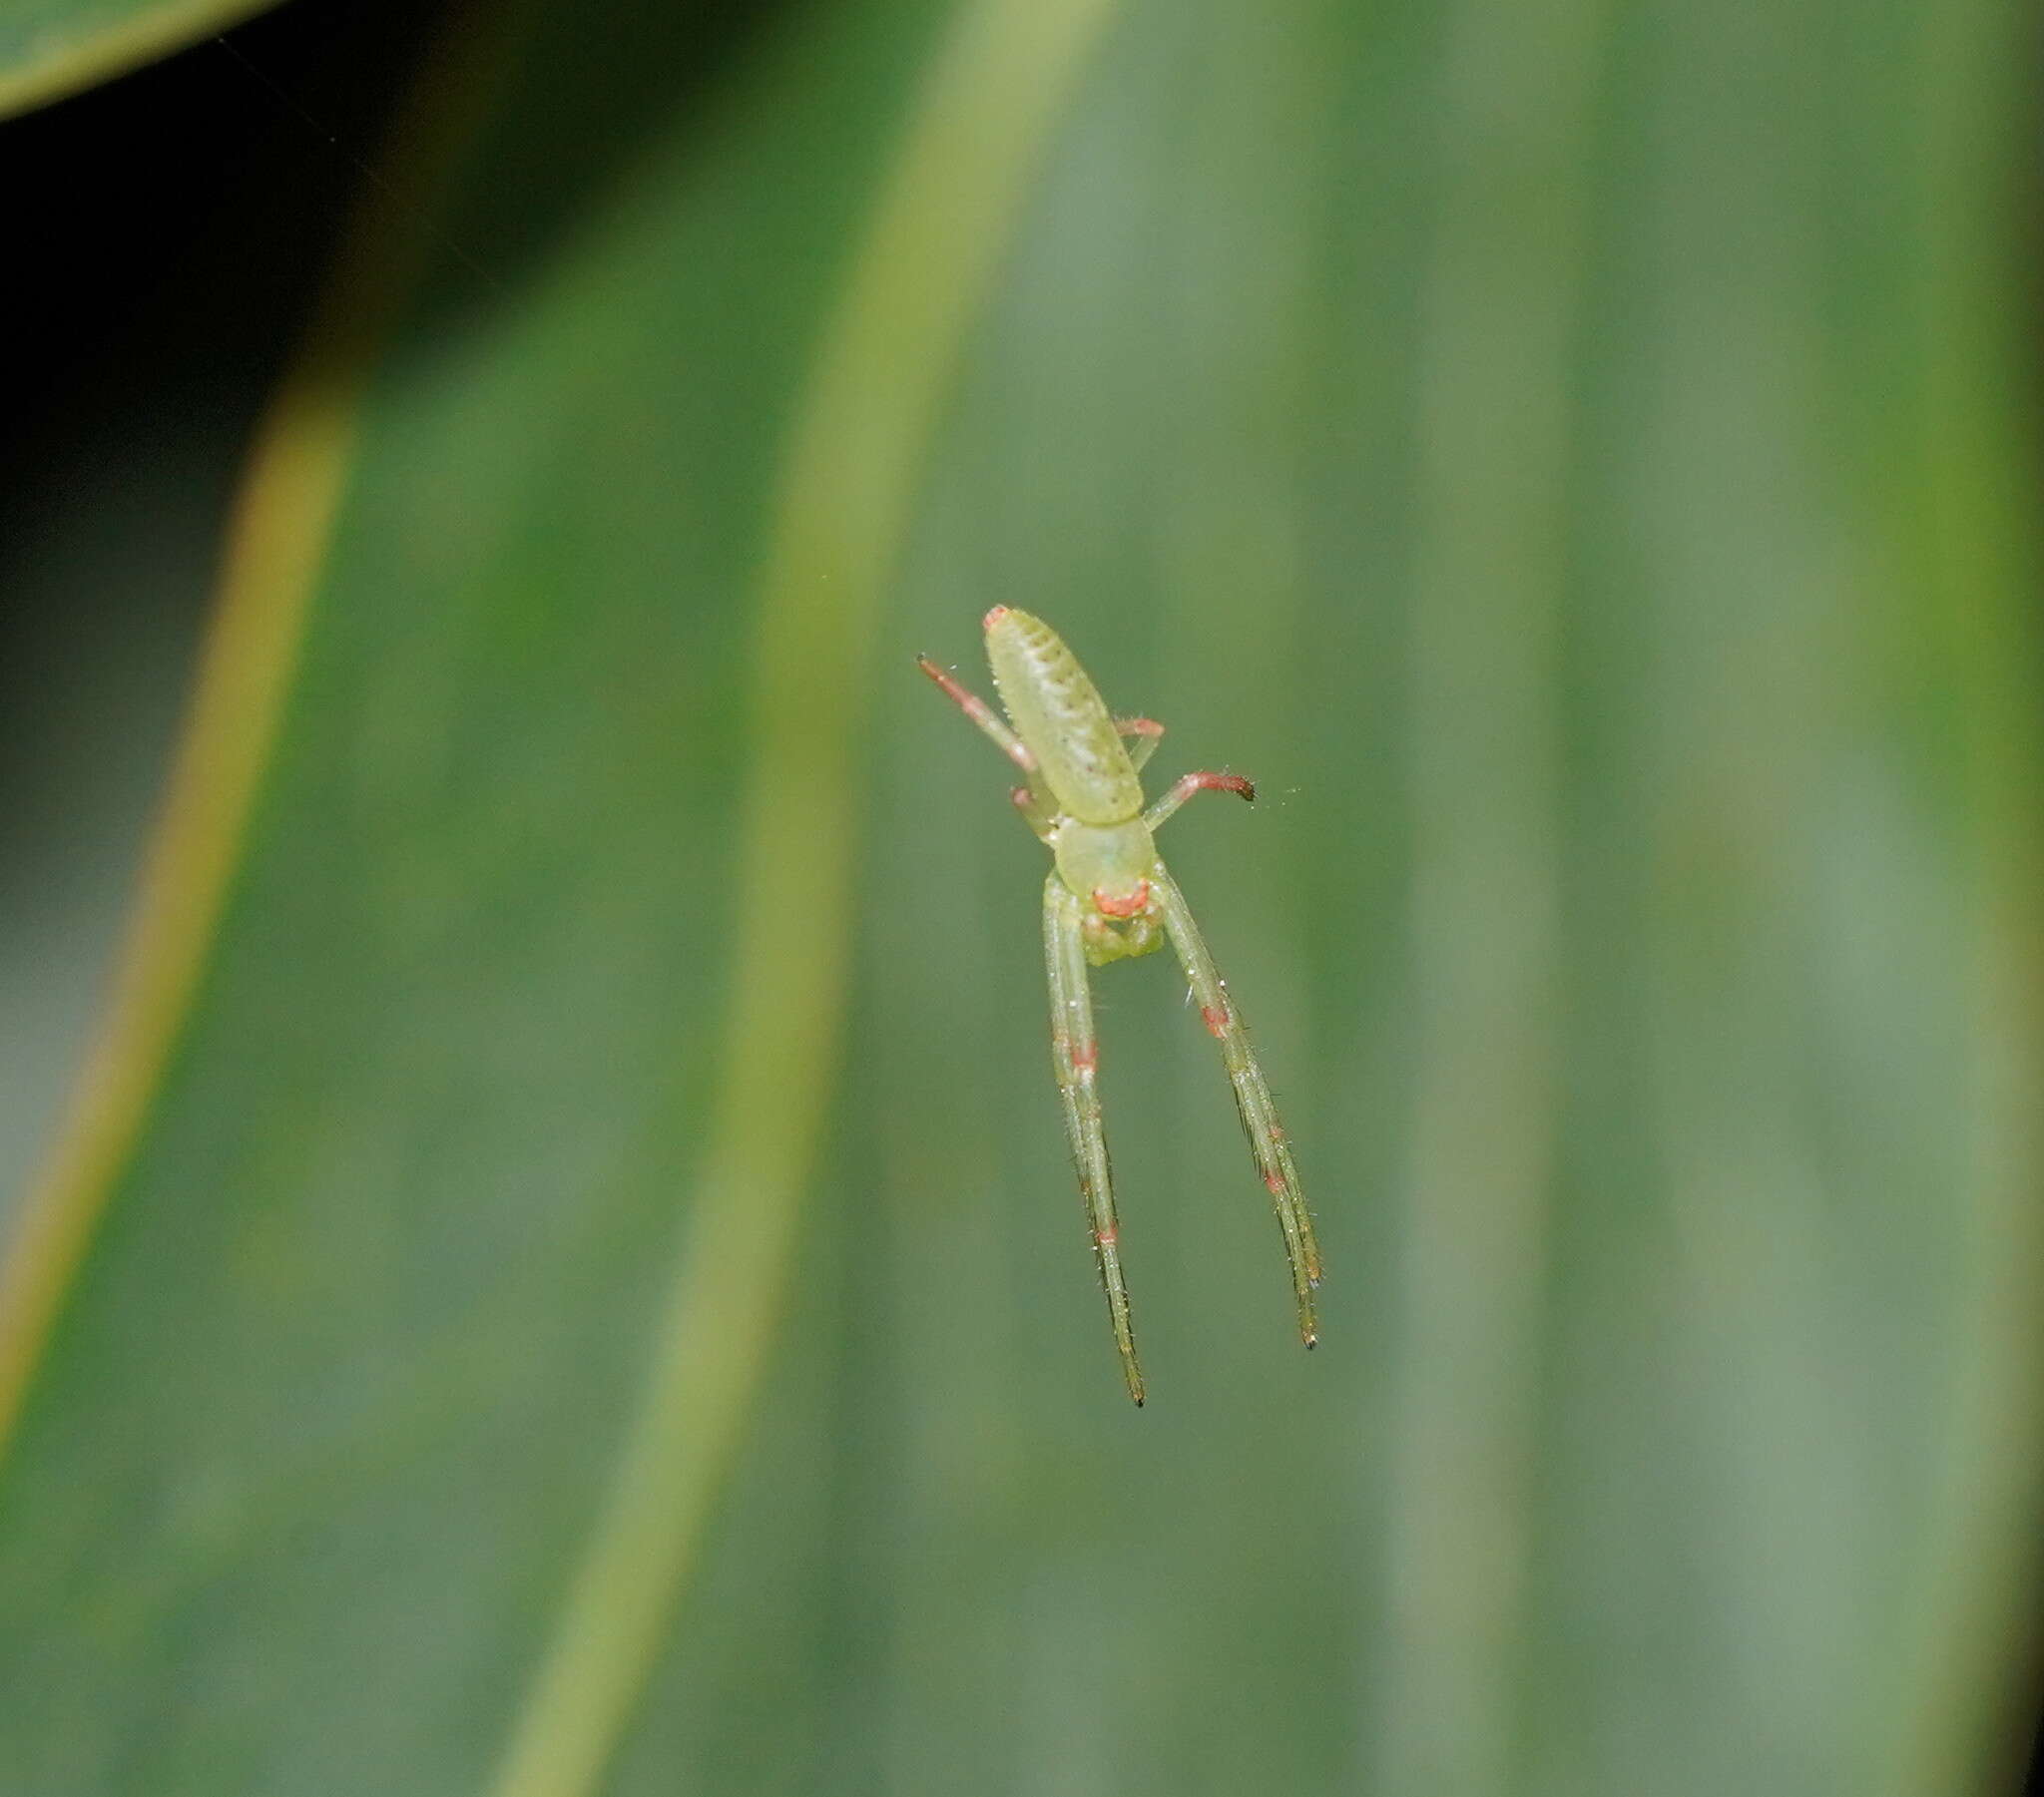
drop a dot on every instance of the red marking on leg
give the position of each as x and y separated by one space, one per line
977 709
1215 1019
1085 1057
1138 726
1221 782
1276 1183
1105 1238
1132 904
993 617
963 697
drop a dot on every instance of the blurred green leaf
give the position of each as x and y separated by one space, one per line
168 279
565 1281
51 48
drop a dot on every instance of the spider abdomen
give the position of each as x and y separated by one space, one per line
1059 714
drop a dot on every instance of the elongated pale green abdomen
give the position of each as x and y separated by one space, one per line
1060 715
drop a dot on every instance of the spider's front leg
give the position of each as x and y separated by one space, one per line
1251 1094
1075 1058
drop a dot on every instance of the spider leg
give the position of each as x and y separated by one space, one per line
1148 733
1251 1094
1037 812
1198 782
982 714
1075 1058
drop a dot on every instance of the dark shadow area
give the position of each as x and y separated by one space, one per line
650 65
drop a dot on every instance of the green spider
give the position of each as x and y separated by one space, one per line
1108 898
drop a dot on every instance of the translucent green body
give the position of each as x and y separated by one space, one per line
1083 779
1107 861
1111 898
1058 712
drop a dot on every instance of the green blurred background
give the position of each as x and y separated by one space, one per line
545 1263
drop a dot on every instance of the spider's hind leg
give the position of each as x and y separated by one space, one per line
1189 785
989 721
1038 811
1144 734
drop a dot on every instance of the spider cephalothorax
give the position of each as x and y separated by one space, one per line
1108 899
